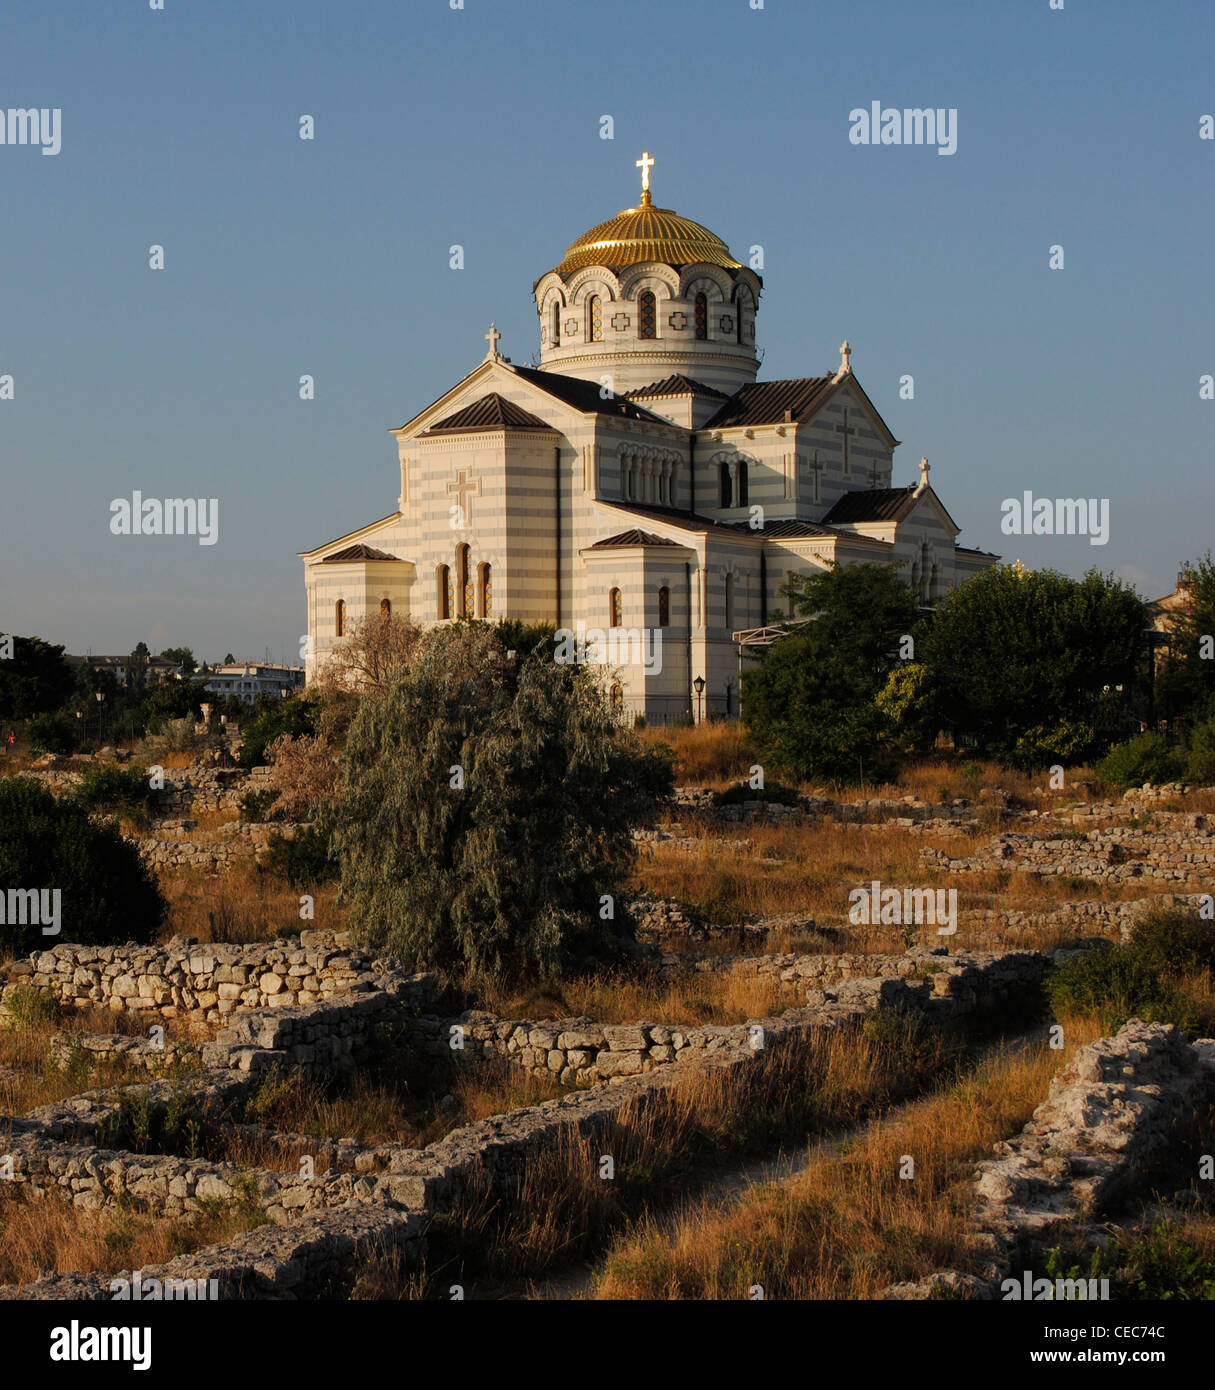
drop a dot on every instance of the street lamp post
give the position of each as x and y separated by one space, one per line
100 718
698 685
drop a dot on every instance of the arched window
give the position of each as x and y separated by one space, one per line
616 697
742 483
647 313
385 608
555 333
727 484
932 583
664 607
741 306
702 315
443 595
729 603
485 588
464 587
339 617
594 319
615 609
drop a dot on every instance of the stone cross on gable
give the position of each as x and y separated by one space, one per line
818 468
874 473
492 338
845 431
463 488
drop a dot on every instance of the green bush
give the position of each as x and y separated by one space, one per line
773 792
306 859
488 809
1114 983
53 733
104 787
107 894
1200 767
257 806
295 716
1144 758
1174 939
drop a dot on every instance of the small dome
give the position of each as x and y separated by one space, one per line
647 233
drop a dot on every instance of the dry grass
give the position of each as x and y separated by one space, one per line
49 1235
617 997
390 1104
659 1144
848 1225
245 904
811 867
709 755
27 1077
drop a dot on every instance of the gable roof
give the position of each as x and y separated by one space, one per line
491 412
359 552
788 528
629 538
584 395
676 385
876 504
684 521
766 402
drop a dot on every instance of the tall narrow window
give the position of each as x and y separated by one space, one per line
594 321
485 595
464 588
727 484
443 595
729 603
339 617
742 483
555 334
702 315
615 609
647 313
385 608
664 607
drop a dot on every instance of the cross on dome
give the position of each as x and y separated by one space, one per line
645 164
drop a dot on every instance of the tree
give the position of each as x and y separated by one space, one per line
181 656
1186 684
1037 667
107 894
137 671
363 665
297 715
488 808
34 677
811 705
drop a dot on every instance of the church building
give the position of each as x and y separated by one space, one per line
639 486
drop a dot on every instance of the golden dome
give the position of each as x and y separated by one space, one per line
647 233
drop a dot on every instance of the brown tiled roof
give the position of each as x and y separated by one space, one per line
877 504
685 521
789 528
357 552
492 412
766 402
584 395
677 385
633 537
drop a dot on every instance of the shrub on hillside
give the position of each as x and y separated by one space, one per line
305 859
122 790
487 813
1200 766
1144 758
293 716
1144 979
1115 984
53 733
773 792
106 892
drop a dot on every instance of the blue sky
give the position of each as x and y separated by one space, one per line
481 126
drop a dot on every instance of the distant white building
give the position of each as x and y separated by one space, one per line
156 668
247 680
